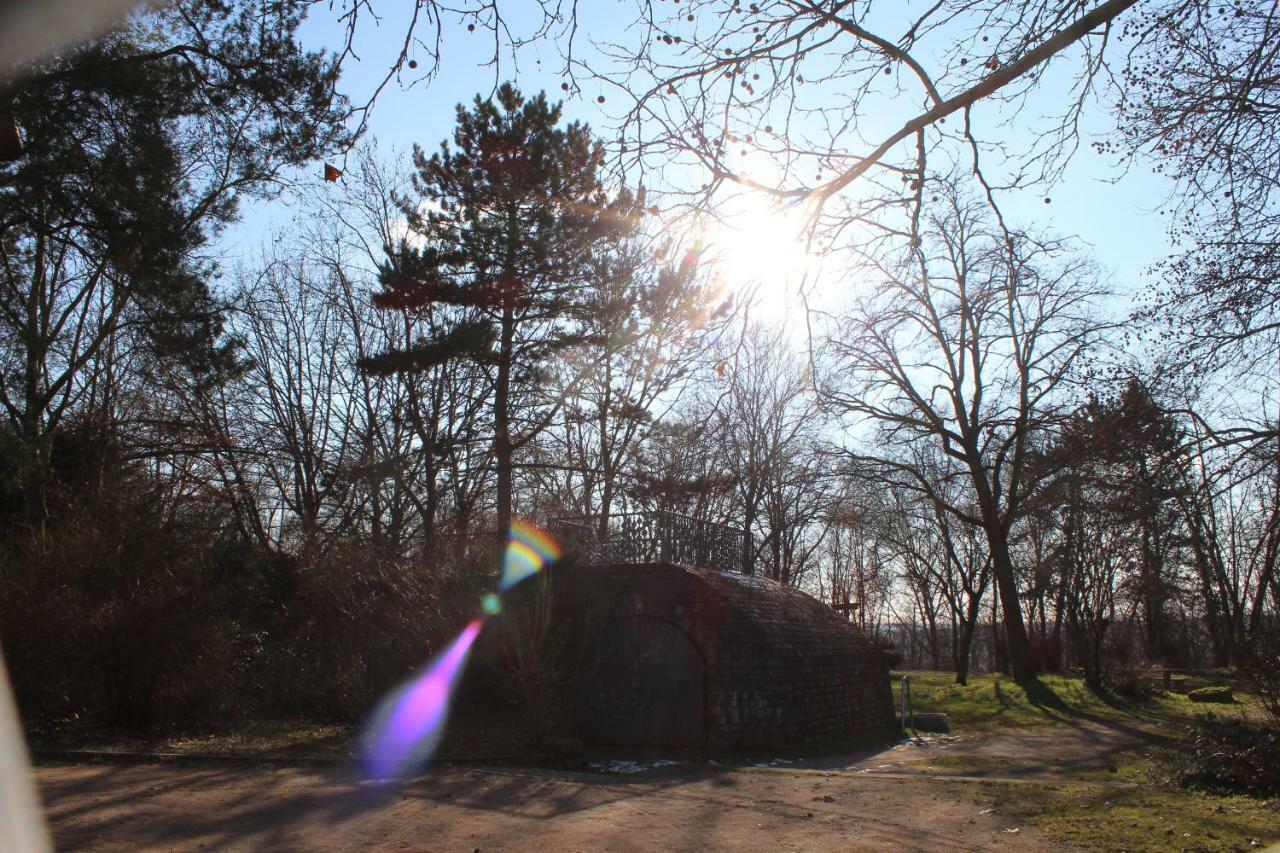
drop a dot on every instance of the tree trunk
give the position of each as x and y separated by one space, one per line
967 631
1015 633
607 470
502 422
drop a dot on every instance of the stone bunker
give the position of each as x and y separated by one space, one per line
677 656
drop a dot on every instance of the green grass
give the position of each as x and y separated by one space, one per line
1156 815
990 702
1140 818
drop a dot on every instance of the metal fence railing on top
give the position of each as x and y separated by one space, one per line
646 537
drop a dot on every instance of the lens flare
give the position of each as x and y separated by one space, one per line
407 726
528 551
405 730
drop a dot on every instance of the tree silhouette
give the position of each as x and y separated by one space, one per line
137 147
509 218
969 344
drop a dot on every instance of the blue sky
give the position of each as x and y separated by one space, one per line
1112 211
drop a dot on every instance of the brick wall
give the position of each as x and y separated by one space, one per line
781 668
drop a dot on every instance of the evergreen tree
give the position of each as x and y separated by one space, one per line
1121 471
509 218
137 146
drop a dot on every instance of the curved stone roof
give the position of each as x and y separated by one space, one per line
781 667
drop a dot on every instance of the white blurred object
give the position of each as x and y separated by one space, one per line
30 29
22 828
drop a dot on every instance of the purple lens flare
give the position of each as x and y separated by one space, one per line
406 728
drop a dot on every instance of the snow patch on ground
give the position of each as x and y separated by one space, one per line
624 766
926 741
775 762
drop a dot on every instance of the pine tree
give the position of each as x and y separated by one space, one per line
507 221
136 148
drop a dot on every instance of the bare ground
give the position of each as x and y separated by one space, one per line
1081 749
962 792
249 807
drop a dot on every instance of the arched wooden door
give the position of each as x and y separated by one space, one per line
646 687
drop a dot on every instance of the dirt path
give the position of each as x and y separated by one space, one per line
247 807
1081 749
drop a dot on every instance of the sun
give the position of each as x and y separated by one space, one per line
757 248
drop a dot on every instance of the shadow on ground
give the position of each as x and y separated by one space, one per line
268 806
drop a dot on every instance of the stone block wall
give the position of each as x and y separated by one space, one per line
781 668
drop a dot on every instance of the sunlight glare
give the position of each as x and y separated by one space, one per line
759 250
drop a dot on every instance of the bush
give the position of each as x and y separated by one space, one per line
1136 682
357 622
119 614
532 658
1262 671
1231 755
1211 694
106 619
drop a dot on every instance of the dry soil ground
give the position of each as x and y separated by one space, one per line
247 807
1079 750
905 797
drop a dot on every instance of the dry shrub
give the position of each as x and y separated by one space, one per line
131 610
1136 681
1262 668
1239 754
534 658
123 617
359 621
1233 755
107 620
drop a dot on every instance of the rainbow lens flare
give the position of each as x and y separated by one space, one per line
528 551
406 728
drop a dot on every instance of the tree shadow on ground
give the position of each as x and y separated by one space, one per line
243 805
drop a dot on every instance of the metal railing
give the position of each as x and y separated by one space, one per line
646 537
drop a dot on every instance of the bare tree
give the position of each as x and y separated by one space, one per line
967 342
840 91
771 426
1231 511
424 449
858 578
683 467
1202 92
649 326
945 562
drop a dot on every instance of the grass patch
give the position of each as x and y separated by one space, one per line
267 738
991 702
1156 763
1141 818
966 765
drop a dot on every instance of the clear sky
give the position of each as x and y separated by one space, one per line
1112 211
